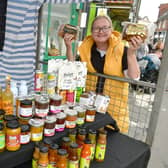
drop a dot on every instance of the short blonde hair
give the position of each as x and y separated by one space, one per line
102 17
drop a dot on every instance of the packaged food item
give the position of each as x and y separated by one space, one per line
134 29
25 134
68 28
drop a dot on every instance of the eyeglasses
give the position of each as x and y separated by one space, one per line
98 29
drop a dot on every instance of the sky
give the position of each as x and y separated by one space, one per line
150 8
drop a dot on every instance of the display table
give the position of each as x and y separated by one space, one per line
122 151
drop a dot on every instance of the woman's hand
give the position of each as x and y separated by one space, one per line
68 38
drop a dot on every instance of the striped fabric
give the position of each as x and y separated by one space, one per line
18 56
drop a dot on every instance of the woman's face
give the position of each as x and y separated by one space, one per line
101 30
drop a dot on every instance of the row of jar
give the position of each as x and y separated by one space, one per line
78 152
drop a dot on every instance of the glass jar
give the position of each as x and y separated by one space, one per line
2 112
71 117
80 115
55 103
36 129
65 143
2 137
25 134
90 114
13 132
62 159
49 126
41 106
72 135
60 122
25 108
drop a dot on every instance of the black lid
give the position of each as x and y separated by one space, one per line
73 131
2 112
43 149
47 141
25 128
54 146
66 139
13 124
74 145
87 141
10 117
38 144
82 132
91 131
1 126
26 102
62 152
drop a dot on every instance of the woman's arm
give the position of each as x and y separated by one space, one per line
133 67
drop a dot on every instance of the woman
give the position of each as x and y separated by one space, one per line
104 52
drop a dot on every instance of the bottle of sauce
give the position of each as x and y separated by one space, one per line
60 122
36 155
72 135
13 132
25 134
7 98
92 137
90 114
62 159
101 146
52 156
85 154
73 156
2 137
65 143
43 158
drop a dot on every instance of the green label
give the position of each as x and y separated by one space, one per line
34 163
100 151
52 165
85 162
73 164
92 151
2 141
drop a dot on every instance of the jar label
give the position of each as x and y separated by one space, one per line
52 165
59 127
42 165
100 151
24 139
80 121
55 109
90 118
73 164
34 163
12 140
85 162
49 132
36 136
41 112
26 112
2 141
70 124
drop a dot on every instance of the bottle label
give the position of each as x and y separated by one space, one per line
70 124
73 164
7 105
41 112
12 140
100 151
55 109
90 118
52 165
42 165
2 141
85 162
92 151
80 120
34 163
59 127
25 112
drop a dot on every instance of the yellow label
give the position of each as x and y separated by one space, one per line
85 162
100 151
73 164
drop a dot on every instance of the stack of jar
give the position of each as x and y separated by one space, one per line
49 154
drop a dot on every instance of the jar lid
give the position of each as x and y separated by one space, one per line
2 112
12 124
66 139
91 131
25 127
73 131
74 145
91 108
70 112
82 132
9 117
60 115
56 97
62 152
26 102
47 141
43 149
87 141
54 146
1 126
80 109
36 122
42 99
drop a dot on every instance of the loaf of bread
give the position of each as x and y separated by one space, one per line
67 28
132 29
